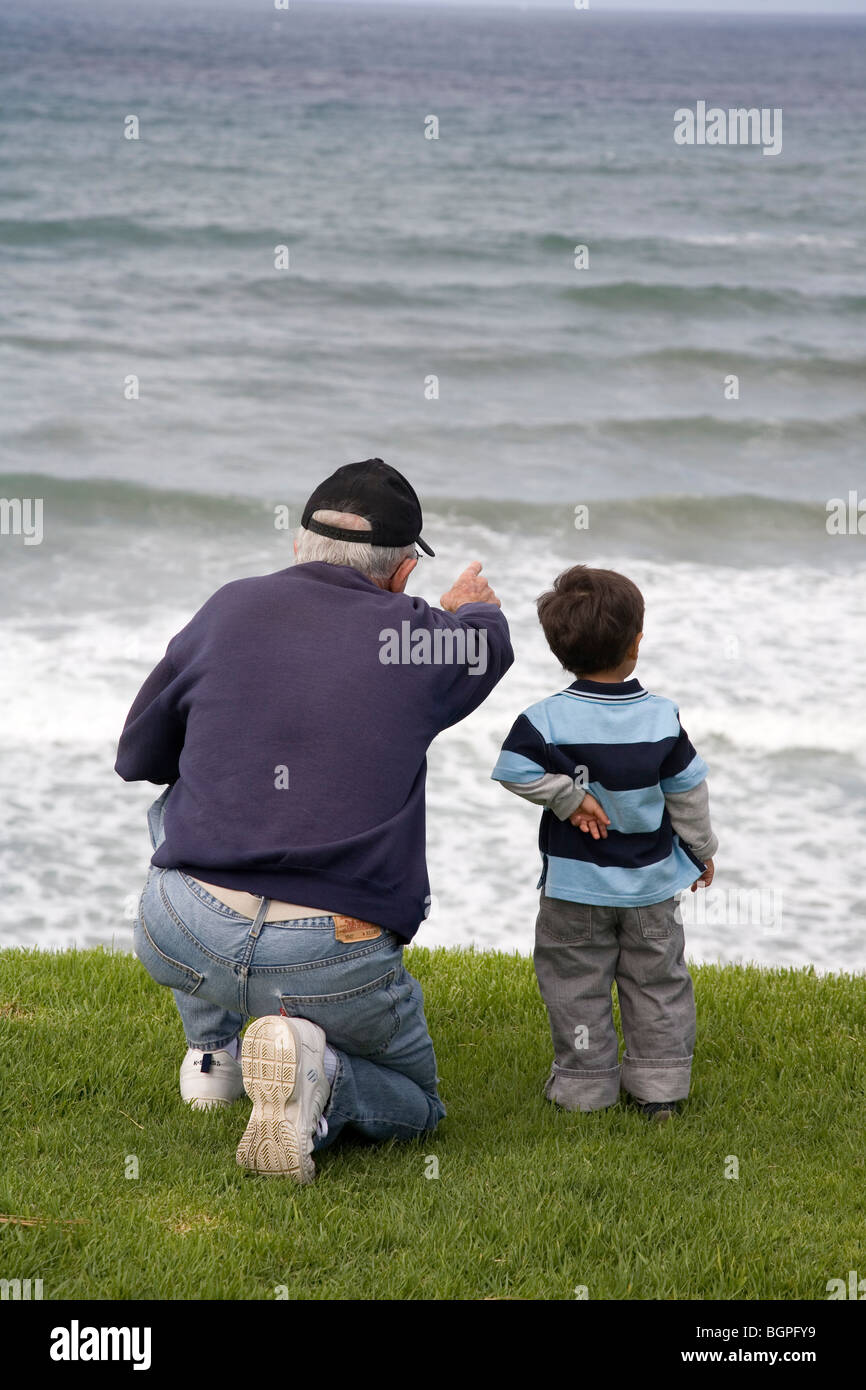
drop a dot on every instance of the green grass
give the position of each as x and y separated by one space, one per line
529 1202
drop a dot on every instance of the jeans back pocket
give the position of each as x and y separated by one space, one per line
162 968
565 921
659 920
360 1021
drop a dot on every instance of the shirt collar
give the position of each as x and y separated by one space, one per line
608 690
343 576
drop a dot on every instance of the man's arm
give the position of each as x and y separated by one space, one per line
153 734
474 646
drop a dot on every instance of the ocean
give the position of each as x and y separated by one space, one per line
165 390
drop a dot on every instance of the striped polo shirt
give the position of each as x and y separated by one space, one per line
628 748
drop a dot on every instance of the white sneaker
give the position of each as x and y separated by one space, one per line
204 1084
284 1073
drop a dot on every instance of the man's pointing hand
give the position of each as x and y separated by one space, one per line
470 587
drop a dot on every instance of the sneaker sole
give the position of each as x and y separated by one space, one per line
270 1143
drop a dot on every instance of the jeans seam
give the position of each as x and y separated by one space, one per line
365 1118
326 960
585 1071
288 922
659 1061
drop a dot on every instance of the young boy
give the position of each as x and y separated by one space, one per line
606 758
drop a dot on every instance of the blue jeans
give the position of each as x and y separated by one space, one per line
224 968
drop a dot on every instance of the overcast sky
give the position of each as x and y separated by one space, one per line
755 7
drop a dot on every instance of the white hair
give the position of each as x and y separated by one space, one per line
375 561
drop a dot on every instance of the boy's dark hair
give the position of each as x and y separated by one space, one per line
590 618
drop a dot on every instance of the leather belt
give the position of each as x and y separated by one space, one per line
247 904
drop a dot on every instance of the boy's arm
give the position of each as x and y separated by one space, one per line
683 781
554 790
524 768
690 817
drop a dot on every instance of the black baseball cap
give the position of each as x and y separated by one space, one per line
378 493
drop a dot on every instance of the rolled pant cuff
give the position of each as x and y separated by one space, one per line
213 1046
583 1090
648 1080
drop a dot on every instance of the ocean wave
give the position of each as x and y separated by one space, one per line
809 366
129 233
709 298
501 357
85 500
82 500
681 431
674 241
481 362
495 286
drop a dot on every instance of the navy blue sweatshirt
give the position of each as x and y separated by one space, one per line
293 715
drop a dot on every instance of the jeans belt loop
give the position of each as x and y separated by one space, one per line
259 918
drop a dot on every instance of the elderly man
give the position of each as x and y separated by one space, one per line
291 718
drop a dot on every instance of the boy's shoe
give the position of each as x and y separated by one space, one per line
659 1110
209 1079
284 1074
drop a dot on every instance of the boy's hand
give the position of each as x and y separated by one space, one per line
706 877
468 588
591 818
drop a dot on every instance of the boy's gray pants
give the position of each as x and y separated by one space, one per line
580 949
